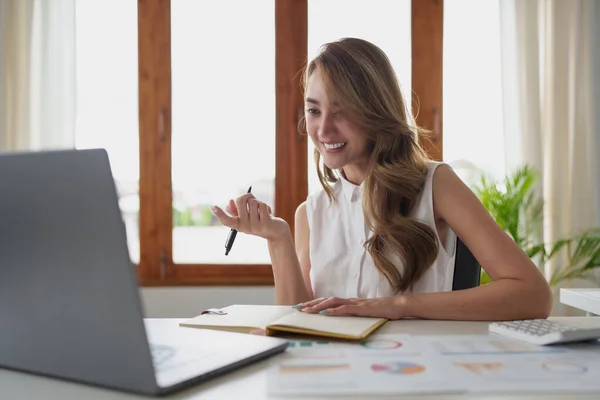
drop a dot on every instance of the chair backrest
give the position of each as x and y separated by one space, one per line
467 271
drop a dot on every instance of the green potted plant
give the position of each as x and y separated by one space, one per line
514 202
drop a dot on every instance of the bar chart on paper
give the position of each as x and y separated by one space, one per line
398 367
385 345
479 368
311 367
308 344
394 365
386 364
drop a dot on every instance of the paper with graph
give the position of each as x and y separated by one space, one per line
371 367
401 364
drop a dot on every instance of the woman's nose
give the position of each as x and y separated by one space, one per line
327 126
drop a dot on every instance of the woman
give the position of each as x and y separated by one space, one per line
379 239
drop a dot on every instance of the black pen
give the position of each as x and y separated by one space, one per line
232 234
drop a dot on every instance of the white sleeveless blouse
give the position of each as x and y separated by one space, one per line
340 264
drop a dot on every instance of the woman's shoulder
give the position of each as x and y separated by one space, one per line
433 167
424 202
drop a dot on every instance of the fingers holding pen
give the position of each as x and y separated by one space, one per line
237 214
264 211
246 214
253 213
231 208
241 203
227 220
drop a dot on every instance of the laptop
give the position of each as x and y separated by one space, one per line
69 300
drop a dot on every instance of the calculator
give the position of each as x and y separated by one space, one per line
543 331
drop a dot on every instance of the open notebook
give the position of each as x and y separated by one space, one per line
275 319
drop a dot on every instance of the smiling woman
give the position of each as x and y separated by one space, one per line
382 191
195 116
387 23
337 146
353 100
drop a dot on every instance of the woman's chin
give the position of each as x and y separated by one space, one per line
333 165
332 161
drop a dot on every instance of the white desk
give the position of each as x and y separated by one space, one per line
585 299
251 382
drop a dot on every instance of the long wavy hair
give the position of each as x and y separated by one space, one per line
359 77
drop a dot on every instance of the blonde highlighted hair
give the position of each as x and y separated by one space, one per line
359 77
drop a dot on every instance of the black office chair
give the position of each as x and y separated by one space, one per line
467 271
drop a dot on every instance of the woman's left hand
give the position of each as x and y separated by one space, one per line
384 307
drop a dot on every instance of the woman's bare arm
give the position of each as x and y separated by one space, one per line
302 238
291 266
518 291
249 215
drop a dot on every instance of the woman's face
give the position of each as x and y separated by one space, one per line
341 144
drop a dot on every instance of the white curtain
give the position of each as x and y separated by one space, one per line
551 101
37 74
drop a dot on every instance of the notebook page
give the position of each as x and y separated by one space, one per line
353 326
241 315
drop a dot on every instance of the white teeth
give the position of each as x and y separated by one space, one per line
334 145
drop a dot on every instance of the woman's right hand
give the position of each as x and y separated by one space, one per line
249 215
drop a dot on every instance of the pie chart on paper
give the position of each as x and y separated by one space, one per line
399 367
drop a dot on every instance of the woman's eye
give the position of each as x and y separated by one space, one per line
312 111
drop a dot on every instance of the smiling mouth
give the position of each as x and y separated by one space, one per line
334 146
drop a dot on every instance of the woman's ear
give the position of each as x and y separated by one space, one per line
301 127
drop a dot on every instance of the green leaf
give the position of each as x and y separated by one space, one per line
538 249
588 246
568 274
584 258
515 202
485 278
558 245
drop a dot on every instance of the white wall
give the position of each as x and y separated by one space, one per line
186 302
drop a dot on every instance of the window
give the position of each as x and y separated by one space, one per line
223 135
107 97
473 124
201 99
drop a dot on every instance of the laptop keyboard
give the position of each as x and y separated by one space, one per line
166 357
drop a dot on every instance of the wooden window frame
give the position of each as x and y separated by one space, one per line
156 267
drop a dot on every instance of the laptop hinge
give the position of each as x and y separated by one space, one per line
163 264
